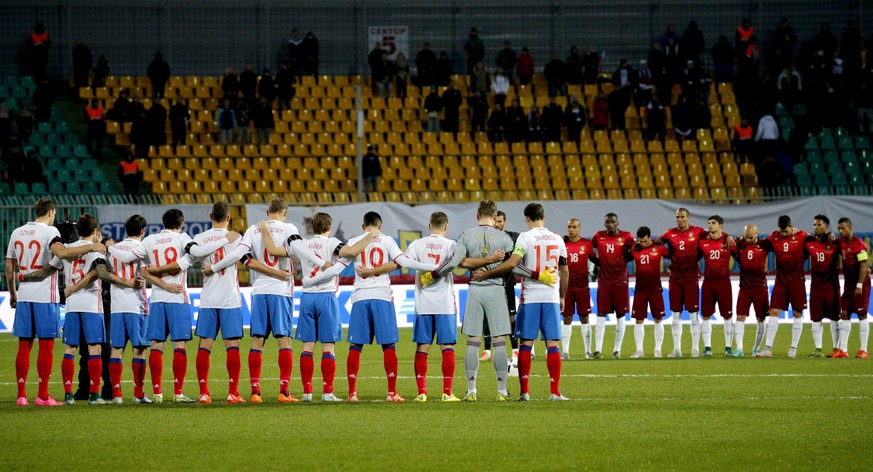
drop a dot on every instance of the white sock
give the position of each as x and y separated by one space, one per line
796 331
760 331
659 336
566 332
845 331
864 332
728 333
739 330
817 331
772 328
639 335
677 331
619 332
598 334
586 337
695 332
835 333
706 331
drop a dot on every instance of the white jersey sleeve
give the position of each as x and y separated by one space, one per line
221 289
540 250
30 248
125 299
380 250
439 297
90 298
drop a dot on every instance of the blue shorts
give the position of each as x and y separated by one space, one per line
169 318
229 320
91 324
533 318
443 327
36 320
373 317
319 319
126 327
272 313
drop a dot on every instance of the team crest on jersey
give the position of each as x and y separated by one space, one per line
581 250
690 238
484 249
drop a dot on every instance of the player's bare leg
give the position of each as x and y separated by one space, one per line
586 335
796 331
639 338
659 337
566 335
676 323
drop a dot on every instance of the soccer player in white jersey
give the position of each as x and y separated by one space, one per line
541 304
37 303
170 313
319 309
272 294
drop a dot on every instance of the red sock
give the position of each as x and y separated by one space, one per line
115 370
328 371
307 367
95 371
139 367
255 360
44 363
68 368
553 363
353 363
286 363
524 360
202 369
389 358
156 366
233 369
421 372
448 370
22 365
180 368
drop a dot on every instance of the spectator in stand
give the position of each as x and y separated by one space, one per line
766 137
480 80
425 62
790 86
690 80
863 101
388 73
243 123
39 51
295 55
497 124
285 86
683 119
122 110
723 55
825 40
743 140
701 117
371 170
262 117
478 105
575 116
248 83
693 43
226 122
524 67
83 61
433 105
784 39
377 68
662 81
556 74
551 120
591 65
24 122
157 124
534 124
575 67
159 74
179 117
129 175
452 101
618 101
669 34
500 86
645 84
267 87
600 112
742 37
95 115
672 60
516 122
475 49
854 53
656 120
443 70
101 71
506 60
310 52
750 62
139 134
230 85
32 170
7 117
44 97
401 75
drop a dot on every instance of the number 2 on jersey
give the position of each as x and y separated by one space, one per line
33 245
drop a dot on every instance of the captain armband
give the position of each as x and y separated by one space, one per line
189 246
294 237
336 252
246 258
519 251
862 256
562 261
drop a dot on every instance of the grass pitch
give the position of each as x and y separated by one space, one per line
649 414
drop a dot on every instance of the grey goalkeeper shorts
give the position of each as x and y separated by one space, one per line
486 301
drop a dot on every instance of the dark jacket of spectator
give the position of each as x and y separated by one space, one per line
425 62
310 51
267 86
230 84
443 70
101 71
693 43
158 72
156 118
262 115
83 61
248 83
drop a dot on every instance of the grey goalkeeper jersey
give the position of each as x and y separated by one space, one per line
481 241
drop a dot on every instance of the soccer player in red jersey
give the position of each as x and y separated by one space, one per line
716 287
684 274
790 287
824 292
612 285
578 299
751 254
648 293
856 288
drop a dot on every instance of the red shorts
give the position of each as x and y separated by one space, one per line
824 303
753 298
793 293
612 299
577 301
644 300
684 294
856 304
720 292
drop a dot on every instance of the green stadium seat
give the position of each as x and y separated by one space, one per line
835 168
73 188
63 151
839 179
814 156
849 156
82 175
856 180
862 142
807 191
865 155
852 168
80 151
804 180
56 187
811 144
845 142
816 168
5 189
831 157
90 188
801 169
820 178
826 140
21 188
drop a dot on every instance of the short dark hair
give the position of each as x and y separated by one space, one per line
43 206
534 212
718 219
86 224
438 220
220 210
371 218
487 208
173 218
321 222
277 205
134 225
501 214
687 213
846 221
610 215
823 218
783 222
643 231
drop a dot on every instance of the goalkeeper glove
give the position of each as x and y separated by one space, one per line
546 277
428 278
